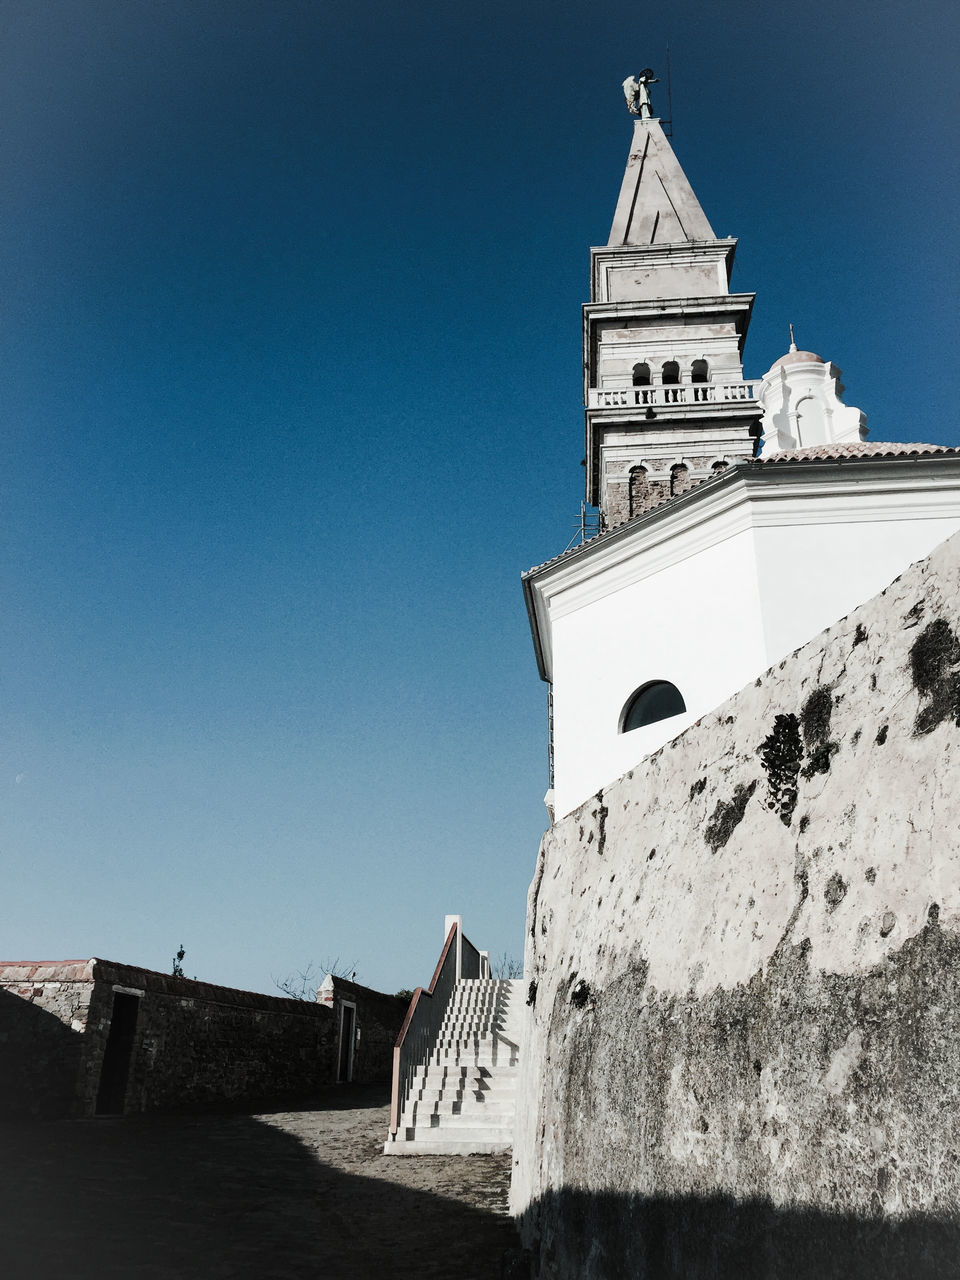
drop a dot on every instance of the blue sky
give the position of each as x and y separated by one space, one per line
290 369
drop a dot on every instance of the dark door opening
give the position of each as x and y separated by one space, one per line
115 1071
348 1025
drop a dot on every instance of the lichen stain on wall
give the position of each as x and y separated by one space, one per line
747 965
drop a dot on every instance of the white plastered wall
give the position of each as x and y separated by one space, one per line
696 623
812 574
712 621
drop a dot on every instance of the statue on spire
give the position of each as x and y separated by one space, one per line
636 90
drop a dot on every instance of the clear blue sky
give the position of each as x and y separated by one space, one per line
290 301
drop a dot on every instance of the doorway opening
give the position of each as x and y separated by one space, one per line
348 1035
115 1071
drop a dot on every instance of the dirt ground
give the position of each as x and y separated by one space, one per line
277 1196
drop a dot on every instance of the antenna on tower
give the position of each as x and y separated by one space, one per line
588 526
668 123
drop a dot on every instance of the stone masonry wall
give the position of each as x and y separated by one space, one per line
43 1014
196 1050
743 1045
196 1045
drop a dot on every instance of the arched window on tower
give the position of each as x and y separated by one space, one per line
699 371
680 479
719 466
641 375
653 701
639 490
646 492
670 377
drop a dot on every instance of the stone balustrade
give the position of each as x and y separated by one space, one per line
654 397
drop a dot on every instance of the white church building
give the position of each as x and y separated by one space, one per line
738 517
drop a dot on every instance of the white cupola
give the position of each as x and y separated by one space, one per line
800 398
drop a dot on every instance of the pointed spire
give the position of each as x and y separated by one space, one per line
657 204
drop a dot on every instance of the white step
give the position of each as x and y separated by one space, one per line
502 1099
468 1084
488 1088
471 1107
456 1072
459 1133
492 1098
462 1099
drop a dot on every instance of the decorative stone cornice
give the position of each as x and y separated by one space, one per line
604 258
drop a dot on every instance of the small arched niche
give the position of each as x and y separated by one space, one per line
653 701
641 375
810 426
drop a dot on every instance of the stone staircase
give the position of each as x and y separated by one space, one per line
462 1099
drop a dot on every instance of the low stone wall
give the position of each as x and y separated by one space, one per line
743 1041
43 1014
199 1046
195 1045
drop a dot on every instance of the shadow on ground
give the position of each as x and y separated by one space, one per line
233 1197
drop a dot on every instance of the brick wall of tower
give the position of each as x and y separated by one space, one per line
632 490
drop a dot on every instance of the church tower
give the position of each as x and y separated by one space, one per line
666 401
704 534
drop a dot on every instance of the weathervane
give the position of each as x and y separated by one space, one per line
636 90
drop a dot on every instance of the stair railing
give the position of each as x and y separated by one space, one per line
422 1024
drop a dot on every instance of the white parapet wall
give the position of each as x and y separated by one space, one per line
743 1039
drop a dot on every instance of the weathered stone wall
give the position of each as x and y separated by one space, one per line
43 1014
196 1045
743 1048
196 1049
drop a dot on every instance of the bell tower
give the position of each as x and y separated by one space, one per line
666 401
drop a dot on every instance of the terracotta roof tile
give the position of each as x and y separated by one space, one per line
858 449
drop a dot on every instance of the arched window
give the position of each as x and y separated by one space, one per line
657 700
639 490
699 371
646 492
719 466
670 374
680 479
641 375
